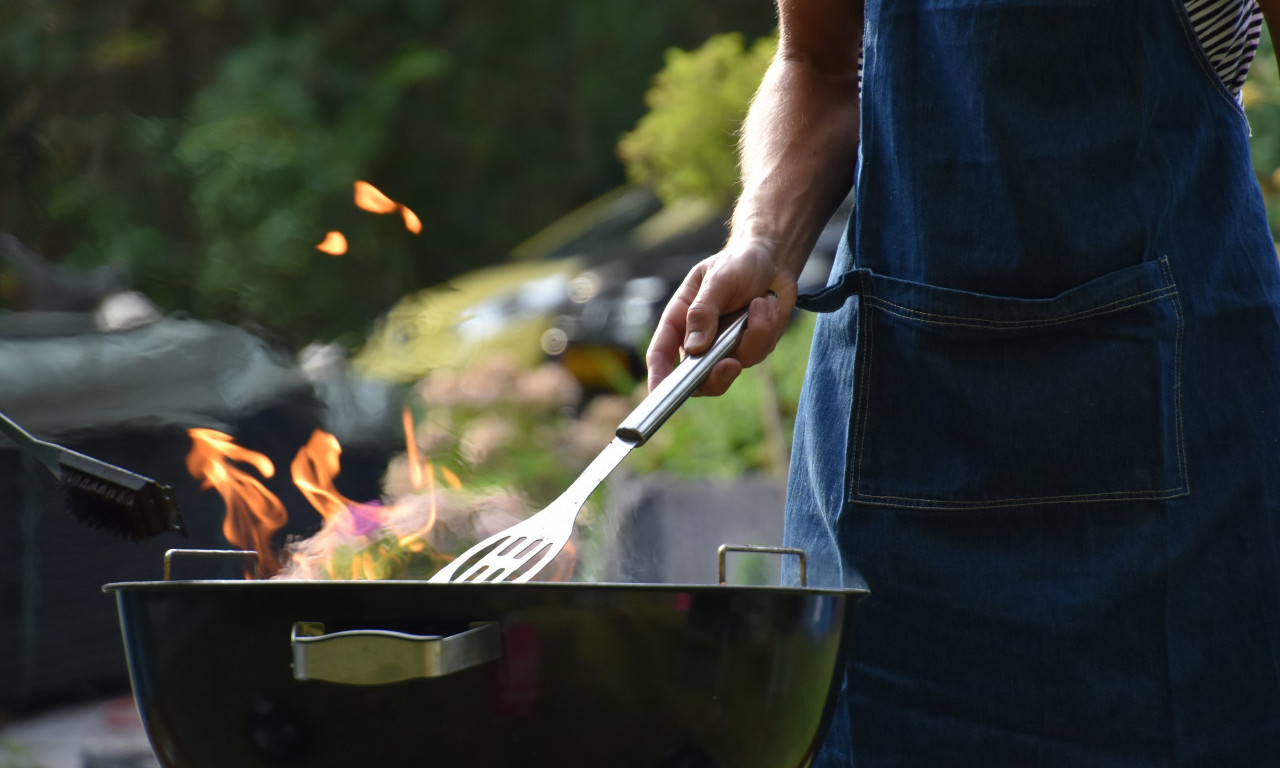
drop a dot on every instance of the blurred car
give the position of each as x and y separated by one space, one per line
586 291
502 309
615 301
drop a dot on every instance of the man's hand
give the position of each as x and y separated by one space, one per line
738 276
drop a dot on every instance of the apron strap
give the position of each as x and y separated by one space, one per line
833 297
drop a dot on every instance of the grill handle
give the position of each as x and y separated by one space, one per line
797 553
379 657
172 555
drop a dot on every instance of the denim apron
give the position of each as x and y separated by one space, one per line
1041 421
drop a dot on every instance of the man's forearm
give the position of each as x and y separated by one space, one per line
800 138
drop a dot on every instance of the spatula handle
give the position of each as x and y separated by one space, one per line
672 391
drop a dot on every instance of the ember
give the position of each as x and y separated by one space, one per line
411 220
334 244
371 199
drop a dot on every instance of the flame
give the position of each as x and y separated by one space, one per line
561 568
370 198
334 244
411 449
313 470
254 513
374 537
411 220
420 473
364 541
416 541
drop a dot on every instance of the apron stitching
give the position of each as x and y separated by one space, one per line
1157 494
864 410
981 322
1179 439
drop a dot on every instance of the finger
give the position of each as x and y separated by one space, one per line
730 285
664 347
714 298
762 331
722 375
663 351
703 319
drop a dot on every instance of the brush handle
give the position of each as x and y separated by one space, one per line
47 454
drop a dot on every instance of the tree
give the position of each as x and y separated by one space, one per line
685 146
202 149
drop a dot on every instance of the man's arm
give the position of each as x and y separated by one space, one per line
798 151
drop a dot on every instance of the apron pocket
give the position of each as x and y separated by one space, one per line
970 401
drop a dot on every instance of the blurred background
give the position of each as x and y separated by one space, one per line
439 232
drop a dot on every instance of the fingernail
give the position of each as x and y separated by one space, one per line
694 339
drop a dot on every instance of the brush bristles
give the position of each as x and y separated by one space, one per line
116 500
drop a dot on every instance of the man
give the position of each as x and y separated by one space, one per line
1042 419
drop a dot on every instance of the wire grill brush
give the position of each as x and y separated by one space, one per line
101 495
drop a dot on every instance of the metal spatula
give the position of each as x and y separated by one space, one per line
519 552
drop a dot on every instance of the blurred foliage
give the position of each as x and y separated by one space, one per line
497 423
1261 96
203 148
685 145
500 424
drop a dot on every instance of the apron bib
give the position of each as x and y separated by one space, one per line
1052 360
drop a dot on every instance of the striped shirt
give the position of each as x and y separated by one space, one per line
1229 31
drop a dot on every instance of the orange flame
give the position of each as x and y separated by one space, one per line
420 472
561 568
254 513
313 470
334 244
416 541
411 220
371 199
411 449
378 540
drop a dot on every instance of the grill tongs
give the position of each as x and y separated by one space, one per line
519 552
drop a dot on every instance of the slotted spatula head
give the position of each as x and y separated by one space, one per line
514 554
519 552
